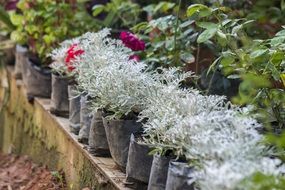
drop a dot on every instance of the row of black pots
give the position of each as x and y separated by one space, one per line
143 171
168 174
104 137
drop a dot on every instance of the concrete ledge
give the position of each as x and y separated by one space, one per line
30 129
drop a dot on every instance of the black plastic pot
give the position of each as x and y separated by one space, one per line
118 135
179 176
59 95
98 144
37 79
9 56
85 120
158 174
139 164
20 55
74 109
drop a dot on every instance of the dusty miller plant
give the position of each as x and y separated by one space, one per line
106 73
216 137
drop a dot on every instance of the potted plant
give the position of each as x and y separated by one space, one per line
62 75
116 85
166 108
120 92
103 53
82 67
97 142
7 46
206 136
65 77
227 151
139 148
42 32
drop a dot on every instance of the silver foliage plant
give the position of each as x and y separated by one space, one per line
116 83
220 139
106 74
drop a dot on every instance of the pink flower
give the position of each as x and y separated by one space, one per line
132 41
135 57
72 53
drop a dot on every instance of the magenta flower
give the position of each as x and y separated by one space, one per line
132 41
135 57
11 5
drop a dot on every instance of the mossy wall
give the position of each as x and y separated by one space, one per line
29 129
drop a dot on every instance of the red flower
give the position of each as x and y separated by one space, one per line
132 41
72 53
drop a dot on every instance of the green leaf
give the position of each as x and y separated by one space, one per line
256 81
4 17
206 35
49 39
187 57
200 9
277 57
16 19
186 23
282 5
226 61
17 36
207 25
211 68
164 6
97 9
280 33
258 53
277 40
222 38
274 71
282 76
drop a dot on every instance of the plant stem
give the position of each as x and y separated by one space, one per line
197 58
176 28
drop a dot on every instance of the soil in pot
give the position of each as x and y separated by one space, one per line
85 119
158 174
179 176
118 135
20 60
59 95
37 79
74 109
139 163
98 144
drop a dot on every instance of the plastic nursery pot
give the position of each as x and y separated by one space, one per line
179 176
139 164
74 109
98 144
9 58
158 174
37 79
59 95
118 135
85 119
20 60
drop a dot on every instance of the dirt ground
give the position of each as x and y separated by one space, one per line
20 173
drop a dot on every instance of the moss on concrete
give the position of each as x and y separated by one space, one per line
28 129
